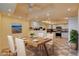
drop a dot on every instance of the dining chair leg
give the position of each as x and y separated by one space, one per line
46 50
40 50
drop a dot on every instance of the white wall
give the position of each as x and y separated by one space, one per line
5 26
72 24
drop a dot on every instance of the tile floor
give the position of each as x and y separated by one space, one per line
62 47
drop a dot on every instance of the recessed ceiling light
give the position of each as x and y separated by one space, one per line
68 9
9 10
66 18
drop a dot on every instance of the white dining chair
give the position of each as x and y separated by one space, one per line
21 49
11 44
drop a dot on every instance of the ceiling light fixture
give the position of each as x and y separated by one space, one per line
9 10
66 18
68 9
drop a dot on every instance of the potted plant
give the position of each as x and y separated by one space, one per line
32 35
74 39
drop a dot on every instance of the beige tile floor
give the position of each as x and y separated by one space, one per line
62 48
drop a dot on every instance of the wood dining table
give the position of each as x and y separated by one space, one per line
36 42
